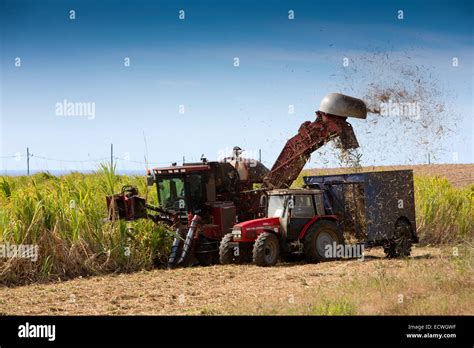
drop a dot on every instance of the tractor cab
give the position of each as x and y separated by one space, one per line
287 213
294 208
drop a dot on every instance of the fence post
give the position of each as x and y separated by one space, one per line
28 161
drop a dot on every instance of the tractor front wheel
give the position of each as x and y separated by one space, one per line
322 234
227 251
266 250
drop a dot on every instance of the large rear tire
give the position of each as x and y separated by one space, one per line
266 250
319 235
400 245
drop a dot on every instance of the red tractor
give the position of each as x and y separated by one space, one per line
298 222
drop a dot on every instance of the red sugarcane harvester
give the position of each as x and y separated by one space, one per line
202 201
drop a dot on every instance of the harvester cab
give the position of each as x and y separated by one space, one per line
186 189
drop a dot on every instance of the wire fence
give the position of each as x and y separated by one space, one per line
36 163
26 162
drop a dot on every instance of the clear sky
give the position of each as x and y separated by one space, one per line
190 63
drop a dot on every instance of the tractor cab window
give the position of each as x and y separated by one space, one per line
277 206
303 206
171 193
319 200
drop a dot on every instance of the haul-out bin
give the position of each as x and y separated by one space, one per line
370 205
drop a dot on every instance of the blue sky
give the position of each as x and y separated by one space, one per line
190 62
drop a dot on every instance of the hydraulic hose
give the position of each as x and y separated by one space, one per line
189 238
174 250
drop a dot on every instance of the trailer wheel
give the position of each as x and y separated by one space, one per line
266 250
319 235
400 245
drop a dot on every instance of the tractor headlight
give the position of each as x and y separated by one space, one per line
237 234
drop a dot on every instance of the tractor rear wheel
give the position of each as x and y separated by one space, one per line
266 250
400 245
319 235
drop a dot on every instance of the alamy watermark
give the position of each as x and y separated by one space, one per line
28 330
26 251
344 251
391 108
68 108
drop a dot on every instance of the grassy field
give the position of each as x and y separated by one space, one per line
64 217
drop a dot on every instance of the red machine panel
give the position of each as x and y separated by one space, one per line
224 215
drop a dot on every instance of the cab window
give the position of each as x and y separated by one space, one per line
303 207
318 198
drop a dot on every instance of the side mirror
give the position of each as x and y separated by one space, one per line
150 180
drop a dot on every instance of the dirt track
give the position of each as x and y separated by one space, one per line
431 282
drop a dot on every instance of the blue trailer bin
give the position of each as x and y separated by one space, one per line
370 205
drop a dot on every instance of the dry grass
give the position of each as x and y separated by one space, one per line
459 175
433 281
